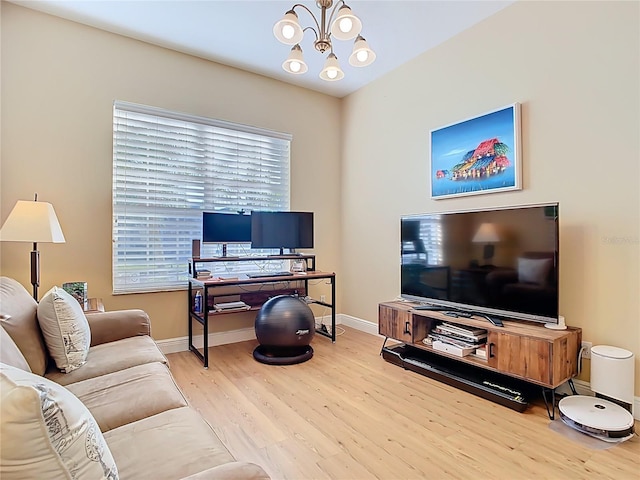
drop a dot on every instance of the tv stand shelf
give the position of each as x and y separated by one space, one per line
521 352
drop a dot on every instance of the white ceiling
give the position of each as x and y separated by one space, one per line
239 33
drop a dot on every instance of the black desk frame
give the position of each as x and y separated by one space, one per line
208 286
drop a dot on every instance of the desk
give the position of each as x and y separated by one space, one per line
254 299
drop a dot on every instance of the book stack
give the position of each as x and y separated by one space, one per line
459 340
203 274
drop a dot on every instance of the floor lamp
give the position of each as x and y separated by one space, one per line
35 222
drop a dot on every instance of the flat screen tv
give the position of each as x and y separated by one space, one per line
225 228
282 230
500 262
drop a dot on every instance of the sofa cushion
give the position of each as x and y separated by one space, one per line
65 329
111 357
18 316
10 354
128 395
174 444
51 433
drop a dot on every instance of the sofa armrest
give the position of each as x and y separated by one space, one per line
231 470
116 325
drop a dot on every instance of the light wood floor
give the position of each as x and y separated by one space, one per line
348 414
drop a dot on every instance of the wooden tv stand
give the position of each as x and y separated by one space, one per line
519 354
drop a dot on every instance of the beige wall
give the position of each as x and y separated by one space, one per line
574 67
59 81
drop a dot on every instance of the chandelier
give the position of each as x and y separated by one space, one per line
345 26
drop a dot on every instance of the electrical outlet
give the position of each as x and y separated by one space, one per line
323 298
586 352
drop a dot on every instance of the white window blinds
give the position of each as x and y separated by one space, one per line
170 167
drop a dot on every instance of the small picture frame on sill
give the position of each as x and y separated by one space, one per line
77 290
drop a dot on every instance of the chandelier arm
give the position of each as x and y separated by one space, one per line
310 13
313 30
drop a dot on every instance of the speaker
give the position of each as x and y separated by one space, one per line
195 248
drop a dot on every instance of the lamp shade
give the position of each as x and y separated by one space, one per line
32 221
487 233
362 55
346 25
288 29
295 62
331 71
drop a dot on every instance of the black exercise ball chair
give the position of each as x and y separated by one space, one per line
284 326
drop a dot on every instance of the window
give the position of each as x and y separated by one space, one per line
167 169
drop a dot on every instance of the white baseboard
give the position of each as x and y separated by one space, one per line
359 324
181 344
175 345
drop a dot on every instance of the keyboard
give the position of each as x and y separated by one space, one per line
269 274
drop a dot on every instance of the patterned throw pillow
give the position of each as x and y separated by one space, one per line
65 329
49 433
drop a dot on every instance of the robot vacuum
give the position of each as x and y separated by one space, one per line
597 417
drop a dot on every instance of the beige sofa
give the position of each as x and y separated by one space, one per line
149 429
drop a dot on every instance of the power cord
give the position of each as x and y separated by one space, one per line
323 328
580 360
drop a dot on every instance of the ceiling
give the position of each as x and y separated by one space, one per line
239 33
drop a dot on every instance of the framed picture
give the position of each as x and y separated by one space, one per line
478 155
77 290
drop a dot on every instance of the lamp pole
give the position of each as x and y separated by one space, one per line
35 270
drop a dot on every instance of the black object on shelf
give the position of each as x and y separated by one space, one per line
487 384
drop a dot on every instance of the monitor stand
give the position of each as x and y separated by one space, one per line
224 252
281 254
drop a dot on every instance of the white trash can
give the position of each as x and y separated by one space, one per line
612 373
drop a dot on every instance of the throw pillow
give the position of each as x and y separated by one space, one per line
49 432
65 329
533 270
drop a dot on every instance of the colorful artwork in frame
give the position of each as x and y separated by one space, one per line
478 155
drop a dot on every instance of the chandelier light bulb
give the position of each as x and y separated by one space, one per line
331 71
295 66
346 25
288 31
295 61
362 55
